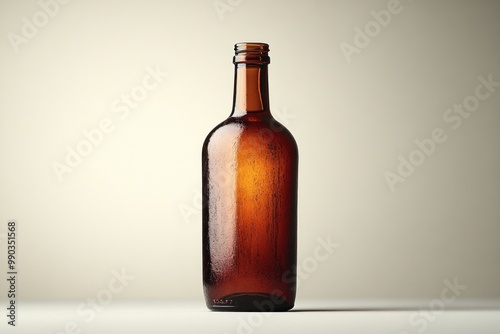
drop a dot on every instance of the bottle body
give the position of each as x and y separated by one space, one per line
249 175
250 215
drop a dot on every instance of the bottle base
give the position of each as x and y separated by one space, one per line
249 302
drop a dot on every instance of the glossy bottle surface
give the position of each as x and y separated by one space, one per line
250 164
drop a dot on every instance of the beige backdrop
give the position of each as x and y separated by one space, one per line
104 106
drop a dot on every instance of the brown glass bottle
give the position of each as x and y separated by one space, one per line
250 164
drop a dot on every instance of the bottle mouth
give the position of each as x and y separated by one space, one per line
251 53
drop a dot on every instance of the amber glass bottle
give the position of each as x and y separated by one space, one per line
250 164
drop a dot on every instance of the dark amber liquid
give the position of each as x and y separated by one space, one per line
250 167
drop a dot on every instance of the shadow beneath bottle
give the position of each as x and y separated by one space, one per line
398 308
356 309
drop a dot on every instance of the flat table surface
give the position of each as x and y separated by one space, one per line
308 316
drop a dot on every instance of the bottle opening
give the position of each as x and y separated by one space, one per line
251 53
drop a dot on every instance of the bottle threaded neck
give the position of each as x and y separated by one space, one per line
251 53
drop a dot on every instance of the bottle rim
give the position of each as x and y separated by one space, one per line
251 53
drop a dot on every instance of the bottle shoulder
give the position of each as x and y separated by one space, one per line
264 134
234 127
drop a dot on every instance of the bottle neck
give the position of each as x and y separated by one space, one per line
251 92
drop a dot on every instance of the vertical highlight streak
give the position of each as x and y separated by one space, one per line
222 192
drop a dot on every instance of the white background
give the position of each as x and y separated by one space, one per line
133 203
